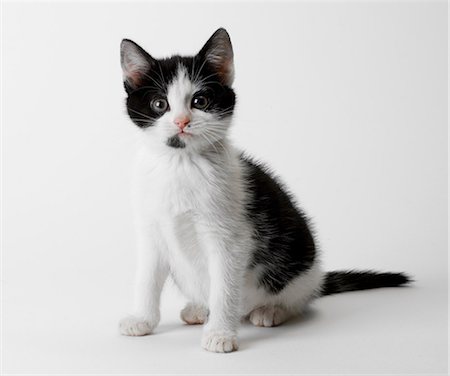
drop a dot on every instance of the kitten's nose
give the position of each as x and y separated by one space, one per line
182 121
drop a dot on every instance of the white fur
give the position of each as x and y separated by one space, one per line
191 225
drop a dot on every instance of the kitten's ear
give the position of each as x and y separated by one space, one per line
135 61
219 53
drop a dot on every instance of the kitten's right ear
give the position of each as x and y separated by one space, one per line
219 53
135 61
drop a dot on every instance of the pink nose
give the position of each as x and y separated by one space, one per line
182 121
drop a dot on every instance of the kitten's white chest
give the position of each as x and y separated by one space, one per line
177 196
172 188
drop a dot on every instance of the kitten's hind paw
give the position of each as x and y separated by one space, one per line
268 316
219 342
194 314
135 326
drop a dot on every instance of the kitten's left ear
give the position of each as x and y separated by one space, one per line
219 53
135 61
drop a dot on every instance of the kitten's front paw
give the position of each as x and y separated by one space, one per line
219 342
136 326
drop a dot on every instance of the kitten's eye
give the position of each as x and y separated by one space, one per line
200 102
159 105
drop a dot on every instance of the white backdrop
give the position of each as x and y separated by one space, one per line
347 101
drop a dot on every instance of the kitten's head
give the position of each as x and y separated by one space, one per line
181 102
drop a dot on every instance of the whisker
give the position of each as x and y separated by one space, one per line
140 113
198 73
140 119
193 67
160 85
204 62
146 87
162 75
210 142
203 81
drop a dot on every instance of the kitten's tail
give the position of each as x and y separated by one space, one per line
342 281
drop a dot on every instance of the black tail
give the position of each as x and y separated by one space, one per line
341 281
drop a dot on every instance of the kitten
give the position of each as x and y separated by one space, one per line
220 224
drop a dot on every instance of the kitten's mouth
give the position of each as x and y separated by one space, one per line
183 133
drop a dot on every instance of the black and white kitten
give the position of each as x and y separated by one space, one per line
226 231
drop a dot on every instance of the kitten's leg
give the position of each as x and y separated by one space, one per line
194 314
152 271
226 275
269 315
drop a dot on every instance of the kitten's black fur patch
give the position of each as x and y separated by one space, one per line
176 142
285 245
